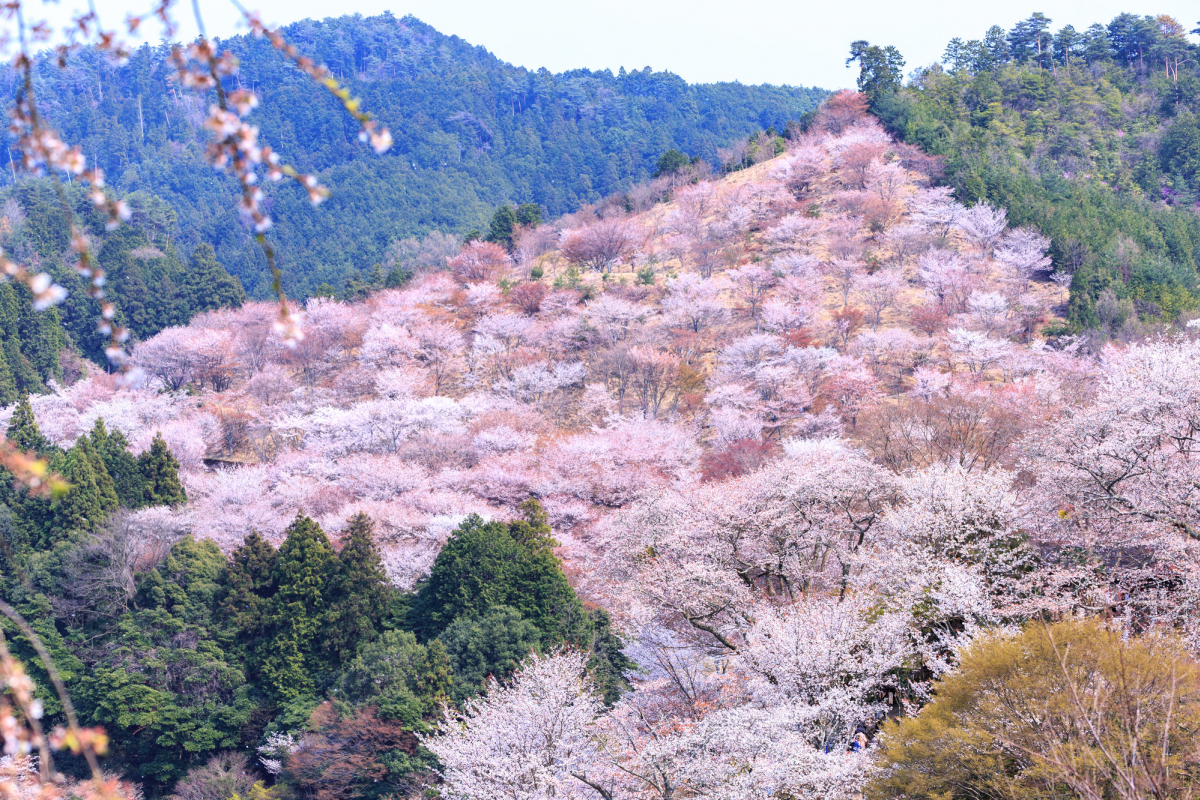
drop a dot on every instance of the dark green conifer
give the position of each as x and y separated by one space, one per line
248 586
122 466
86 505
160 471
23 429
104 481
500 230
489 564
291 667
208 285
358 590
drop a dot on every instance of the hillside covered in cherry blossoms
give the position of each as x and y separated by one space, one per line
802 440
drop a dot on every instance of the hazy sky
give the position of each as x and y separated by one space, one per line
770 41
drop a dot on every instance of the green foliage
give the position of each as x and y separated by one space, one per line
89 501
490 645
670 162
404 679
489 564
30 342
207 285
160 475
358 591
149 284
529 215
1081 136
127 475
166 692
500 229
880 69
496 590
243 603
292 665
472 133
608 664
1024 713
23 429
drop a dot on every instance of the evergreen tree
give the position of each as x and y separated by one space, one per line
375 276
208 285
248 589
23 430
121 465
397 277
491 645
489 564
880 70
670 162
8 384
609 665
164 689
358 591
86 504
529 215
292 667
500 230
104 481
404 679
160 473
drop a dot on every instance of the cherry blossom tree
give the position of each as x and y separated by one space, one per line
796 231
526 739
694 302
989 310
948 277
1021 254
982 226
879 292
168 356
751 284
1127 463
935 210
845 272
479 262
600 245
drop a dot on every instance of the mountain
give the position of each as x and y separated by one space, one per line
1091 136
471 132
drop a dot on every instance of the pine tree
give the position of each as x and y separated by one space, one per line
500 231
23 429
375 276
122 466
104 481
529 215
85 506
8 384
160 472
244 602
23 372
291 666
608 664
358 591
208 285
489 564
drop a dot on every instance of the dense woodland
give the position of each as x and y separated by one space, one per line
818 472
471 131
1093 137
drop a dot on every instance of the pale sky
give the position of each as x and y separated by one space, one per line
770 41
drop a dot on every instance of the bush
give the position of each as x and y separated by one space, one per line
1070 709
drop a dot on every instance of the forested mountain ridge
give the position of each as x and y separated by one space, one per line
1091 136
471 132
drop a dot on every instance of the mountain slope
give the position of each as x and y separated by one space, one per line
1093 138
471 132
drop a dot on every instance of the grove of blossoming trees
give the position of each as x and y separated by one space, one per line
821 448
